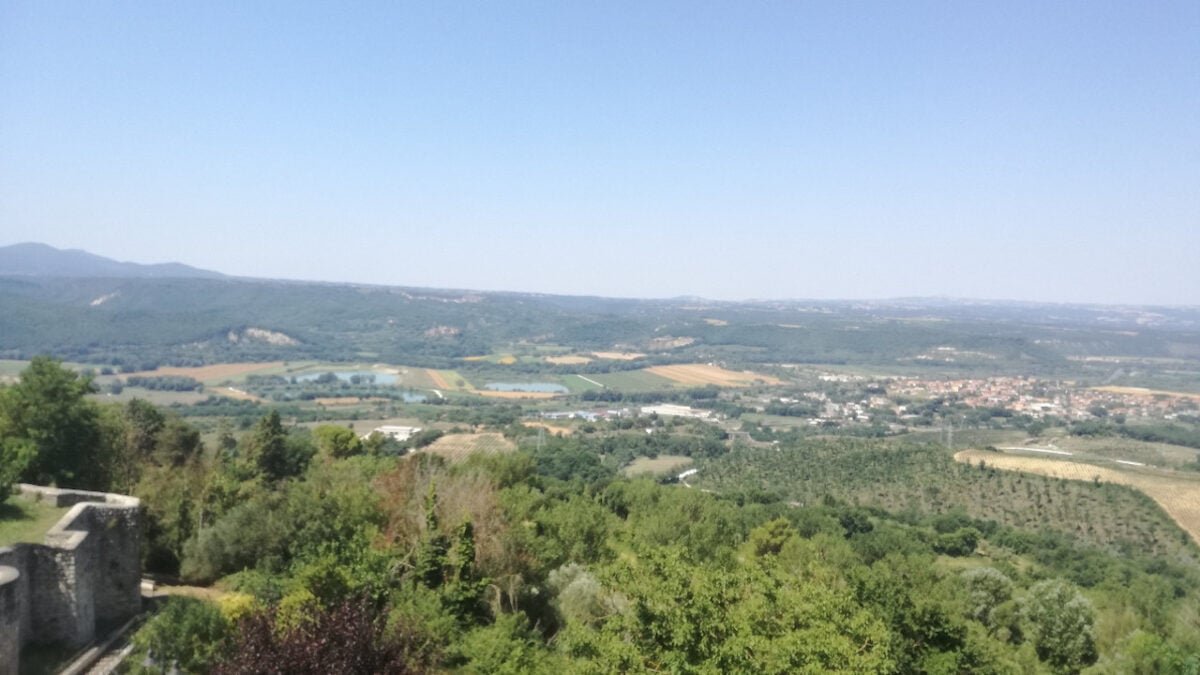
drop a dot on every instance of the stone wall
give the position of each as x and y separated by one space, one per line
86 574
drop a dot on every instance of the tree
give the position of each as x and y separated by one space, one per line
187 635
270 452
49 417
1060 622
987 588
337 442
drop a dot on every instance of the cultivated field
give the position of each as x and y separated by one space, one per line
1139 391
572 360
565 431
514 394
441 379
233 392
699 374
216 373
152 396
1178 494
348 400
457 447
632 380
618 356
661 465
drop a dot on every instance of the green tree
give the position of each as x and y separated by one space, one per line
1060 623
48 419
273 454
337 442
186 636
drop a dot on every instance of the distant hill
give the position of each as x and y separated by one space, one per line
40 260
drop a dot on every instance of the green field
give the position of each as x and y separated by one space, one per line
577 384
661 465
633 380
24 520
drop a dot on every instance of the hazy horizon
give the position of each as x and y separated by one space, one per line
1019 151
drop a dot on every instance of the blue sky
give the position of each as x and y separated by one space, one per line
1035 151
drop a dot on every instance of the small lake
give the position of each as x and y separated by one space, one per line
531 387
365 376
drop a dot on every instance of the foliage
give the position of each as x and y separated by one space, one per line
47 422
337 442
1060 624
349 638
186 635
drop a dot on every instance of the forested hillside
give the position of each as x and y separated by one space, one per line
142 323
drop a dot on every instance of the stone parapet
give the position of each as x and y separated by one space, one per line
87 573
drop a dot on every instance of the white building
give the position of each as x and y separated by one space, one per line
395 432
671 410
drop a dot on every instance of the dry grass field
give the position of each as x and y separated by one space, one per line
218 372
457 447
698 374
618 356
565 431
238 394
1139 391
716 322
1178 494
567 360
661 465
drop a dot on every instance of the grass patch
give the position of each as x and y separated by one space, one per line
576 383
24 520
657 466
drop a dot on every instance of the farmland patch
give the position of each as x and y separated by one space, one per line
216 373
457 447
1177 494
699 374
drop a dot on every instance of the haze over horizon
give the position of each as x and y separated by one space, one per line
1018 151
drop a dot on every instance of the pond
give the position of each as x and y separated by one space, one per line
364 376
532 387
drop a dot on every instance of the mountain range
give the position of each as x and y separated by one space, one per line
40 260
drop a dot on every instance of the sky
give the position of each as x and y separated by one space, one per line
1043 151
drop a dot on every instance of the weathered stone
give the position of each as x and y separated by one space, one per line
88 571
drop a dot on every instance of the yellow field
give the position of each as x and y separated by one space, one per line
701 374
565 431
457 447
618 356
716 322
1177 494
567 360
214 373
1139 391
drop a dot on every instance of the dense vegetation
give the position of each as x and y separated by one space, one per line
331 554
